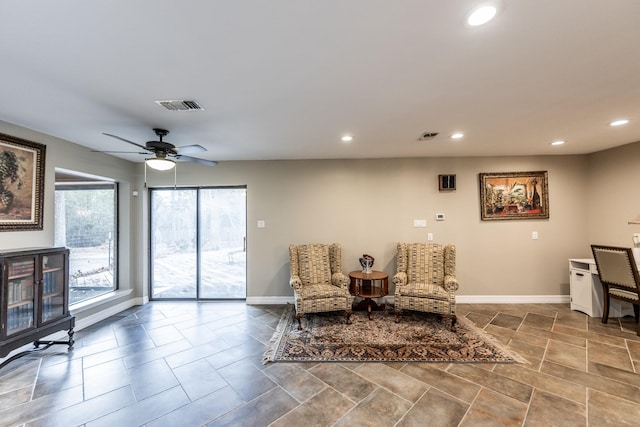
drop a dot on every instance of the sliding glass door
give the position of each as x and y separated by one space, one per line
198 243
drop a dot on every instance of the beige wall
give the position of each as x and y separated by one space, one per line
612 195
369 205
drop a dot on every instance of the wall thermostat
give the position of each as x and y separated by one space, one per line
439 217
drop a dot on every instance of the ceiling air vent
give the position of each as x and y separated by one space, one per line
180 105
427 135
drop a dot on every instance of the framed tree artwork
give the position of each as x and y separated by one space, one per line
514 195
22 165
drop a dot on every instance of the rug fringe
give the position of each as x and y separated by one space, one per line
493 340
274 342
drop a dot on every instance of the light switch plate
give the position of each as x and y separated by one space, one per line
261 224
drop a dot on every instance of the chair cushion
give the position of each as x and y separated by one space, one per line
425 263
424 290
314 264
310 292
633 296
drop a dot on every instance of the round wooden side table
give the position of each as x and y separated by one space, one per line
368 286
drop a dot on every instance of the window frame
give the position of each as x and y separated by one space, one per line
99 185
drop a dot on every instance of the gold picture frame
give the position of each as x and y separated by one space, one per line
514 195
22 166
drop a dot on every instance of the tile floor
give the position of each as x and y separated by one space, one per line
195 364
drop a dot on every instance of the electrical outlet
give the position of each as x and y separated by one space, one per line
430 237
261 224
534 235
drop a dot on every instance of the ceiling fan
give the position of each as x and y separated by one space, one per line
164 151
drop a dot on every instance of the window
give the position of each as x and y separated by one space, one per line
86 223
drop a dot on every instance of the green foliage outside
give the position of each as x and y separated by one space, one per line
89 217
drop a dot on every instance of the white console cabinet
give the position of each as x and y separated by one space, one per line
586 291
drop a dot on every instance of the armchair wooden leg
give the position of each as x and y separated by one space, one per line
299 316
398 313
454 320
349 313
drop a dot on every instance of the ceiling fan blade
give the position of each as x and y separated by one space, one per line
126 140
196 160
119 152
188 149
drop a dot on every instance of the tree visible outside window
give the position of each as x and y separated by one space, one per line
86 223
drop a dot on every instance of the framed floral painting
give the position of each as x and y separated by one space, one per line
22 165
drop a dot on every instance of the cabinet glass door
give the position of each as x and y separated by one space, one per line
20 295
52 287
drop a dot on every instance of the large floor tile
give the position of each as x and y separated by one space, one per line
493 409
173 363
380 408
323 409
435 409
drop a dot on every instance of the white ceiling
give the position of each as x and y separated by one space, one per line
285 79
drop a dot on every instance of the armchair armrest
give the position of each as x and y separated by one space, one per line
340 280
450 283
295 282
400 279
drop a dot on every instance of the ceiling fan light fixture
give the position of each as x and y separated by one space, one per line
160 164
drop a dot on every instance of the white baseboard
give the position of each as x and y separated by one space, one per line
460 299
270 300
512 299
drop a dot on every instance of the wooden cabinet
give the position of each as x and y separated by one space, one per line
585 287
34 298
586 291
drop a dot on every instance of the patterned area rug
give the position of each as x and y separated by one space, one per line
419 337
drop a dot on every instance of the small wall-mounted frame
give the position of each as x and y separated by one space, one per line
446 182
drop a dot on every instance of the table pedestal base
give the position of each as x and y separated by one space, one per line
369 305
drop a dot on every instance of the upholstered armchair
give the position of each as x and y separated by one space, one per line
317 280
426 279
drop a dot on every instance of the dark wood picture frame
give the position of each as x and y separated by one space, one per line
22 165
514 195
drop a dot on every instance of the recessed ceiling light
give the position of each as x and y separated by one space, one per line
619 122
482 14
457 135
559 142
347 138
